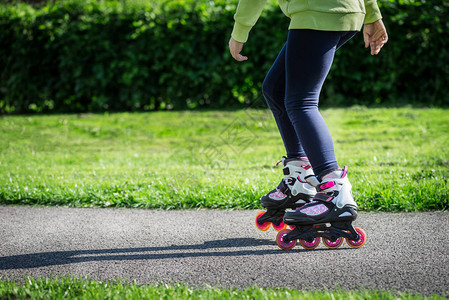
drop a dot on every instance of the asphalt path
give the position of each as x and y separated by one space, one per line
404 252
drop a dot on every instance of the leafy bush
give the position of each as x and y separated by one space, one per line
412 67
89 55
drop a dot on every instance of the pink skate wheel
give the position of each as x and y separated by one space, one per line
361 241
263 226
333 245
310 246
280 240
279 227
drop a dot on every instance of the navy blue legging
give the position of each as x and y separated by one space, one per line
292 89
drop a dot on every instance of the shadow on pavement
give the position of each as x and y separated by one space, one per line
43 259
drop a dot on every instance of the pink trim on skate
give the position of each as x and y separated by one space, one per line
345 171
314 210
306 166
327 185
301 180
278 195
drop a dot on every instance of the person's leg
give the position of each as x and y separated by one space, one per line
308 57
293 190
273 89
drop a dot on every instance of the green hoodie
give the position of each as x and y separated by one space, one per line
330 15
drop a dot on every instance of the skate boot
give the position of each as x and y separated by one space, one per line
328 216
293 191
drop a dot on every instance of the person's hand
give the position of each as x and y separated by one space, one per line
235 48
375 35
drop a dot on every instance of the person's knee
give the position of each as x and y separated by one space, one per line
297 106
269 92
292 110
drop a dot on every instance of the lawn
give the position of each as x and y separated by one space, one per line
79 288
398 158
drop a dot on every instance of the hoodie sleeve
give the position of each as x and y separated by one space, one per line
246 16
372 12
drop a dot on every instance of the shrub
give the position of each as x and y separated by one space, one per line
110 55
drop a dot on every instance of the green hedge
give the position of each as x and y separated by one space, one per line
90 55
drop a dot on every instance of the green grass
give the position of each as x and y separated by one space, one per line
398 158
78 288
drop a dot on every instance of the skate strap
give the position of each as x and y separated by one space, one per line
283 187
321 197
326 185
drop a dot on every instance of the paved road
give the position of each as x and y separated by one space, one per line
404 252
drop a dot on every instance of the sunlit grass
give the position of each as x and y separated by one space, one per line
82 288
398 158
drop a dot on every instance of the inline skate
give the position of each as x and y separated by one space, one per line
329 217
293 191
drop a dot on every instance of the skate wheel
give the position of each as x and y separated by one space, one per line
310 246
264 226
279 227
280 240
361 241
333 245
